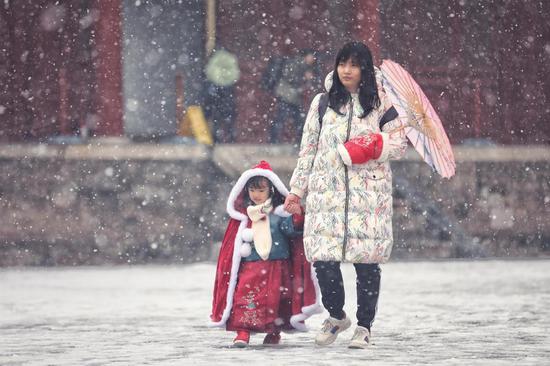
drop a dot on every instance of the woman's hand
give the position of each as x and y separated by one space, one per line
362 149
292 204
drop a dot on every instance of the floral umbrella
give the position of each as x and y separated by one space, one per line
423 126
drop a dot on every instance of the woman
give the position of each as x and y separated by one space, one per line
344 167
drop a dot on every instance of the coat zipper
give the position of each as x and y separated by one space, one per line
346 206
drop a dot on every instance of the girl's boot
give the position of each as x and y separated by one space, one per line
242 339
272 338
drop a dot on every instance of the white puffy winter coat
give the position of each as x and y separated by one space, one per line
348 209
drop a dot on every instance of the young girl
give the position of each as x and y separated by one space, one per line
263 282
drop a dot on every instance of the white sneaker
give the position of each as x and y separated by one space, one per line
360 338
330 330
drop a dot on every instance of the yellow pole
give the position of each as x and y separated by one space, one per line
210 26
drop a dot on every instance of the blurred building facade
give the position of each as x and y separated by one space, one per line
111 65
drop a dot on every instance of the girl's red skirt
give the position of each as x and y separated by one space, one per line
262 300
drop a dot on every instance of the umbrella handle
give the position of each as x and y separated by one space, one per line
397 129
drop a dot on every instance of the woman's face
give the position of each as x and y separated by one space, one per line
349 73
260 194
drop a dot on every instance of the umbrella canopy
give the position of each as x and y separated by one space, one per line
423 126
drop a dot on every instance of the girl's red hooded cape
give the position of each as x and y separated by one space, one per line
305 290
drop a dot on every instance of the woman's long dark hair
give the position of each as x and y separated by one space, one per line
368 92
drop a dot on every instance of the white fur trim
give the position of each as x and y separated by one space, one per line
385 147
236 261
344 154
295 321
280 211
247 234
241 182
328 81
309 310
246 249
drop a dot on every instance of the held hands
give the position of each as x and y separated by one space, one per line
292 204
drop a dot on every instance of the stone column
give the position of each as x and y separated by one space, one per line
108 29
366 25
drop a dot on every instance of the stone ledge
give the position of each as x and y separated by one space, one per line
120 202
106 151
234 159
283 157
138 152
225 155
528 153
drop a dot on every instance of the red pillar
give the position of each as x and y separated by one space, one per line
366 25
108 38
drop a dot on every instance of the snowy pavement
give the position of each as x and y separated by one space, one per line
451 313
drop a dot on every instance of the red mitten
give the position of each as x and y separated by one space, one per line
298 219
359 150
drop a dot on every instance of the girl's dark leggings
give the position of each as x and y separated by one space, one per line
330 280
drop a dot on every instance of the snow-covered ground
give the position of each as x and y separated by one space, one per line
457 313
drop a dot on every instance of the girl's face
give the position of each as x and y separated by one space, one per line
349 73
260 194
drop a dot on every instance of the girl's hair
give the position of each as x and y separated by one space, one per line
360 54
257 182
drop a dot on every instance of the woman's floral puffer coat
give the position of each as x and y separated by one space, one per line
348 209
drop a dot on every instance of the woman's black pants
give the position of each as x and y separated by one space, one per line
330 280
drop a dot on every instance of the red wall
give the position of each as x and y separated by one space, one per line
484 65
258 29
59 68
